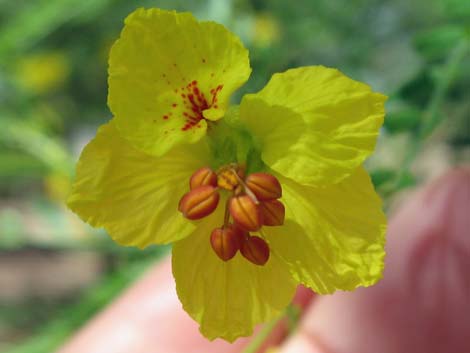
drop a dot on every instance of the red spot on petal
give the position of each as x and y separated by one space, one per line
165 117
194 104
174 105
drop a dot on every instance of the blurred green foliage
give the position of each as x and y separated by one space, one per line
53 56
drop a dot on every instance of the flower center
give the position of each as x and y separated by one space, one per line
228 177
195 102
252 203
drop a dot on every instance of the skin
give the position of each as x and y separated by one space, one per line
422 305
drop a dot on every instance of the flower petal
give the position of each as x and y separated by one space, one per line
167 72
334 236
134 196
333 123
227 298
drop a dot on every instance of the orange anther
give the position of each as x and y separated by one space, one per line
265 186
203 176
225 242
199 202
255 250
245 213
273 212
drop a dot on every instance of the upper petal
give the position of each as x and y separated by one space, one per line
134 196
167 72
335 123
333 237
228 298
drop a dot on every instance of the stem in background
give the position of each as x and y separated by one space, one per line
432 118
256 343
291 313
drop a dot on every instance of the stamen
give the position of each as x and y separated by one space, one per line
245 213
199 202
273 212
255 250
227 214
225 242
252 203
203 176
246 188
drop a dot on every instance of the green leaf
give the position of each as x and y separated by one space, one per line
381 177
458 9
403 119
435 44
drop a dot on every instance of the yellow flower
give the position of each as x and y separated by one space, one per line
237 258
266 30
43 72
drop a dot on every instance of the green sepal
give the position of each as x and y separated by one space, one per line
231 142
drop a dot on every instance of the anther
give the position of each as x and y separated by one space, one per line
203 176
225 242
199 202
245 213
227 179
255 250
273 212
264 186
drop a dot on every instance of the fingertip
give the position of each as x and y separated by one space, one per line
301 343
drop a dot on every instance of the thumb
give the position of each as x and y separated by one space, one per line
421 305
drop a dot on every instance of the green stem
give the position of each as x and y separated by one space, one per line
432 116
256 343
291 313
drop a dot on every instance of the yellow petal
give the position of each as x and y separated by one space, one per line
168 73
334 123
333 237
228 298
132 195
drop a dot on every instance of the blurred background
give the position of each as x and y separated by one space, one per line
55 271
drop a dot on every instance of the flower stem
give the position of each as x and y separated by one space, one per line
256 343
291 314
